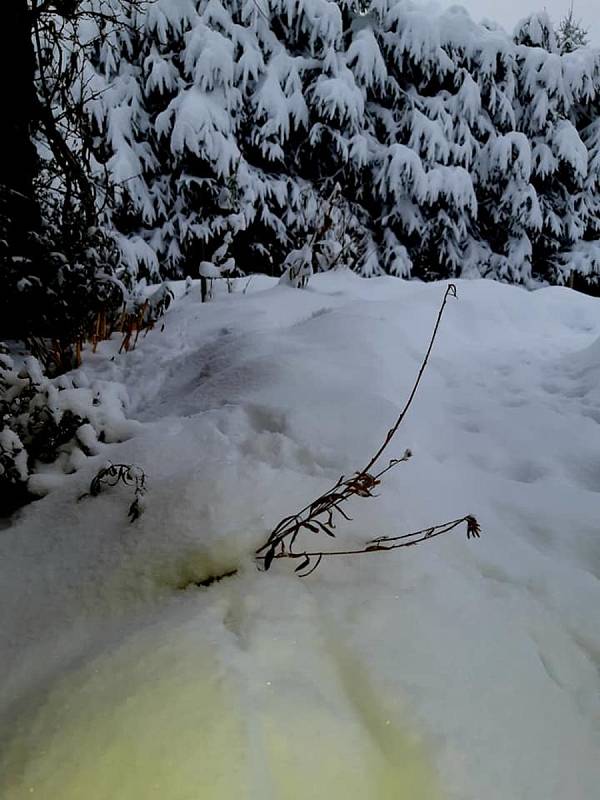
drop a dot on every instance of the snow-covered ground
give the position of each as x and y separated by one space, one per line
454 670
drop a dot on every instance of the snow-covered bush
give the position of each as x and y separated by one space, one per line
51 296
49 426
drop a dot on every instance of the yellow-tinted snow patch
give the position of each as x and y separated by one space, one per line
172 722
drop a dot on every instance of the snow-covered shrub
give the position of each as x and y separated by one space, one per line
48 426
140 314
328 237
298 267
52 294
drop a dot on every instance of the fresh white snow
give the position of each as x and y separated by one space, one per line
454 670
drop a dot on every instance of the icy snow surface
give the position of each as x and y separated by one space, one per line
454 670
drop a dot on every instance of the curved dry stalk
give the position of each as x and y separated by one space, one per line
318 517
450 292
311 560
128 475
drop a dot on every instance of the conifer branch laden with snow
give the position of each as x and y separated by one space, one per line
321 515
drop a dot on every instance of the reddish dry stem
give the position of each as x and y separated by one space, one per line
318 516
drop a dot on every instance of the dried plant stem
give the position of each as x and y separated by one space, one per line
312 559
318 517
128 475
450 292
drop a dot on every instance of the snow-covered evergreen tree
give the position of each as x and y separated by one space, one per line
571 34
579 259
375 135
206 108
556 93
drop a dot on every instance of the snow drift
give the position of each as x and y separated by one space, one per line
453 670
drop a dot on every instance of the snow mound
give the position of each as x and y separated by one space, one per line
456 669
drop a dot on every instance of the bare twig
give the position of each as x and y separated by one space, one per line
450 292
310 560
128 475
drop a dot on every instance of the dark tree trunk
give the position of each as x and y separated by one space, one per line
18 159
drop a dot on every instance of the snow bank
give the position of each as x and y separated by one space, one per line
454 670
